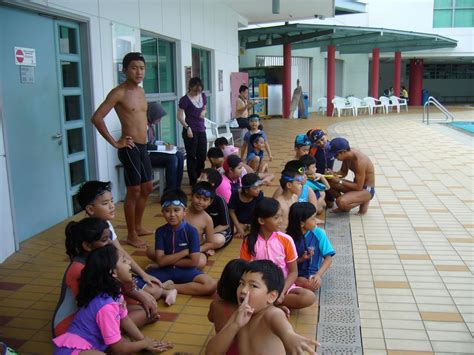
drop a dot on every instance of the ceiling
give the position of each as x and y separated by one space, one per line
260 11
347 39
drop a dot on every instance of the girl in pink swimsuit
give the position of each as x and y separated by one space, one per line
266 242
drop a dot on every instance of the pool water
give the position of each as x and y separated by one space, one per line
467 126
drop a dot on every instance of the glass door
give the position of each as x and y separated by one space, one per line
72 110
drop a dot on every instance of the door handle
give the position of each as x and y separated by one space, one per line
59 137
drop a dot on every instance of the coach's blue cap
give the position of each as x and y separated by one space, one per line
338 144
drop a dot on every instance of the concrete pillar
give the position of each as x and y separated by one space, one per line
331 78
375 72
286 79
416 82
397 66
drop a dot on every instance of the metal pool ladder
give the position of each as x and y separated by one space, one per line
426 110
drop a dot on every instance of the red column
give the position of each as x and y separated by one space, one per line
416 81
286 79
331 79
397 66
375 72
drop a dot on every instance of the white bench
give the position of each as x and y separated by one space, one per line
158 179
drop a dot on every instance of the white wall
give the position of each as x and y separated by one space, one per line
203 23
206 23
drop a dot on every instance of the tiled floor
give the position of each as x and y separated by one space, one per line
413 251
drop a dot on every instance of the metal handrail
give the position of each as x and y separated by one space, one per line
426 110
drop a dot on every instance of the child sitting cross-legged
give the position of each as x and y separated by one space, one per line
81 239
314 249
216 159
255 154
265 241
290 187
242 203
218 209
317 182
222 308
302 145
95 197
233 169
176 251
257 326
202 195
254 127
97 325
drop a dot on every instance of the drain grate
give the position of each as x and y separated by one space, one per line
339 282
337 298
339 322
340 334
339 315
339 350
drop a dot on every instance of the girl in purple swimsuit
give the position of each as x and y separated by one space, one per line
103 312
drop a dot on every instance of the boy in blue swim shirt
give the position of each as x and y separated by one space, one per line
177 250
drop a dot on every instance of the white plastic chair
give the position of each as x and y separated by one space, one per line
400 101
322 105
340 105
388 104
358 104
212 132
374 104
223 129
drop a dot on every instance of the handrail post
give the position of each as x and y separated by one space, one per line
426 110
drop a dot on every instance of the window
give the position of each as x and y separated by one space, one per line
453 13
446 71
159 70
160 82
202 68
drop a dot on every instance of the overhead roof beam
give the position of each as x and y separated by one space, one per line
338 41
401 48
287 39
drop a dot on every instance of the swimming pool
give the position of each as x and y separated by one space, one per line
464 126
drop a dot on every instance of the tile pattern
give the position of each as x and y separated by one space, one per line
418 210
418 296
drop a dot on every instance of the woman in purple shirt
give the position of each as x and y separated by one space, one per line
193 106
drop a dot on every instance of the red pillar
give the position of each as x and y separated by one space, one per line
331 79
286 79
397 66
375 72
416 81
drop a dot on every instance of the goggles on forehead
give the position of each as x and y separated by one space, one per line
255 184
203 192
289 178
176 203
301 170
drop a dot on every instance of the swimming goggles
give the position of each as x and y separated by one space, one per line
203 192
289 178
255 184
176 203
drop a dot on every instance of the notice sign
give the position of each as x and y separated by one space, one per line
25 56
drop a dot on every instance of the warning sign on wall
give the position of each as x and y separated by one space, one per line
25 56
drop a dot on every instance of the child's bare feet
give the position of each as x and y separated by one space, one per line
135 242
170 296
143 231
210 252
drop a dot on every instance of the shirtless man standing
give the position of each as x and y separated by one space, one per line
128 100
359 192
